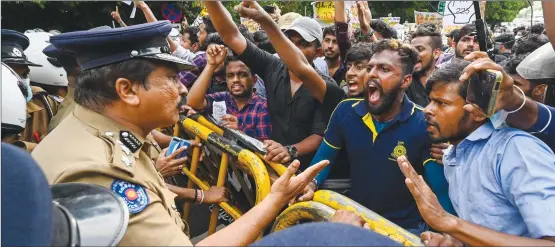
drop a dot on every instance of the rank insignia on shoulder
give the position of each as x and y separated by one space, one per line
135 196
130 141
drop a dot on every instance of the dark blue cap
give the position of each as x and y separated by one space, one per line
100 47
51 51
26 200
325 234
13 45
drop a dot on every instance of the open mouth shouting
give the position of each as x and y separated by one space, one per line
375 92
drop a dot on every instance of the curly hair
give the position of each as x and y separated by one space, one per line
429 30
513 61
407 54
537 28
385 30
529 43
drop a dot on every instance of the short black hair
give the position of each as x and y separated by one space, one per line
270 9
263 42
208 25
329 30
453 33
192 31
507 39
529 43
359 52
408 55
245 32
464 31
96 87
231 58
516 29
260 36
537 28
449 74
429 30
385 30
213 38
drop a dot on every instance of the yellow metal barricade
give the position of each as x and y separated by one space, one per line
324 200
247 161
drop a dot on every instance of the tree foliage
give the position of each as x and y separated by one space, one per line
79 15
506 11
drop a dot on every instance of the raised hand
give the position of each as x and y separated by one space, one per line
116 16
216 54
428 205
252 10
286 187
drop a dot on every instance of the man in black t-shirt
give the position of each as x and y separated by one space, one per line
300 100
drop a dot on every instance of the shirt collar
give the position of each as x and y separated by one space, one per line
407 109
482 133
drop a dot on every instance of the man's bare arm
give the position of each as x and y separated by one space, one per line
225 27
289 53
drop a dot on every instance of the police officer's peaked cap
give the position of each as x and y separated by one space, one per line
53 52
13 45
104 46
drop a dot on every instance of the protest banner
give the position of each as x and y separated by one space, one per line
429 17
392 21
324 11
457 14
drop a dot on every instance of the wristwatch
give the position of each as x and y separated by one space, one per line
292 150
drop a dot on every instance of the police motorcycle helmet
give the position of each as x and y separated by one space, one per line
67 214
51 73
14 105
87 215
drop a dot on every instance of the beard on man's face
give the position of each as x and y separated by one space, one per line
459 133
387 100
425 68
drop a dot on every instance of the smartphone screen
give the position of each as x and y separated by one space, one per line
175 144
482 87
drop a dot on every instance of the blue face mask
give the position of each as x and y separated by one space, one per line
27 82
498 119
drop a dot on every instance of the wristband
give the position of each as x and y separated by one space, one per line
195 199
201 196
523 102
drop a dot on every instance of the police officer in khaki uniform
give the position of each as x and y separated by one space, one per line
127 88
40 106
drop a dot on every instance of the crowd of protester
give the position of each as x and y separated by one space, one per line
385 122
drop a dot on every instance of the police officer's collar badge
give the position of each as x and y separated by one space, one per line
135 196
130 141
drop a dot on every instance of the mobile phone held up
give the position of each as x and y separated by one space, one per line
176 144
483 89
